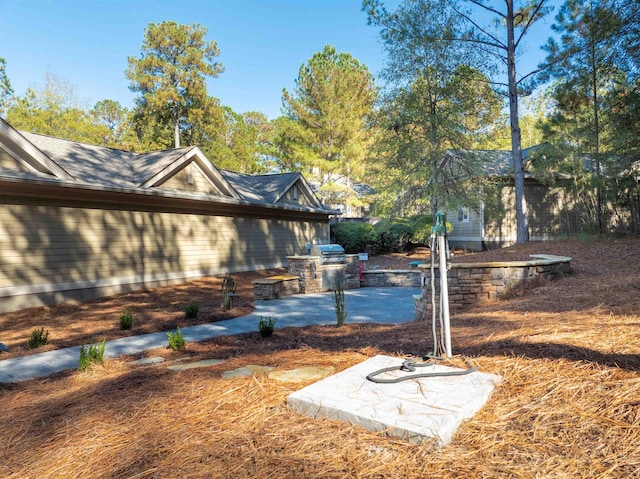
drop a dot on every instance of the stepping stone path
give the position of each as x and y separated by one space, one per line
196 364
248 370
305 373
149 361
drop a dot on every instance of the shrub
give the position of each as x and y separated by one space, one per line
338 297
176 340
228 292
127 318
394 234
421 226
266 326
191 310
38 338
93 354
354 236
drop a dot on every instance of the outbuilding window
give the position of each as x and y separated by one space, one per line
463 215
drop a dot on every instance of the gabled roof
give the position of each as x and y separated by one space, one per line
89 164
268 188
76 164
259 187
495 162
169 163
28 154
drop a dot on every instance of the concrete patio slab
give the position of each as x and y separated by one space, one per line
415 409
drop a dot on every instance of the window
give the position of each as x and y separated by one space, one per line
463 215
294 192
190 174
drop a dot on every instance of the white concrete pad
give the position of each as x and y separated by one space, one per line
414 409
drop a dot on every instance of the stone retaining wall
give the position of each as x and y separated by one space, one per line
473 283
391 277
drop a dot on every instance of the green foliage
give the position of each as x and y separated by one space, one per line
332 103
127 318
5 86
38 338
176 340
437 102
54 110
92 354
170 75
354 236
394 234
338 298
110 114
266 326
421 226
228 292
191 310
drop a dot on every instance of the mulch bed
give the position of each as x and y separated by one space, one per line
568 405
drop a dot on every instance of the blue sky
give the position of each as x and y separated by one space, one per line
263 43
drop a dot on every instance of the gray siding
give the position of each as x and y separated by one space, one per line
294 195
466 235
200 183
50 253
9 162
552 211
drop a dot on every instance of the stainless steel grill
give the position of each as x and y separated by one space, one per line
329 253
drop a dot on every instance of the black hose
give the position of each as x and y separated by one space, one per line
408 365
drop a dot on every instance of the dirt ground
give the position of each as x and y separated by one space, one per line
568 406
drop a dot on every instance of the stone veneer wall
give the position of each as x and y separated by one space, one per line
307 268
275 287
352 272
472 283
391 277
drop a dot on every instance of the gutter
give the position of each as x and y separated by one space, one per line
59 191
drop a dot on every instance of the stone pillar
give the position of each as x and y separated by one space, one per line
352 272
307 268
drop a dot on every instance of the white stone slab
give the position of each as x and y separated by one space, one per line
414 409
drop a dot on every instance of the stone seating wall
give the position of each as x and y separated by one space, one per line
473 283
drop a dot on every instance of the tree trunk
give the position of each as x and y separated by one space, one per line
522 226
596 127
176 125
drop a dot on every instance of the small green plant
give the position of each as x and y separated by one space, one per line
38 338
228 292
127 318
92 354
191 310
176 340
266 326
338 296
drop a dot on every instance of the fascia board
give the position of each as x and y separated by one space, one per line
55 189
15 141
306 189
207 168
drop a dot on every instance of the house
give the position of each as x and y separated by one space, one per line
79 221
552 210
350 199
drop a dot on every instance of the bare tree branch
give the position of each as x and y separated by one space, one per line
529 22
496 41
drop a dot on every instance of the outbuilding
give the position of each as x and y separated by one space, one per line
78 221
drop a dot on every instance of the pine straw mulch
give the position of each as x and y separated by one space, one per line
158 309
568 405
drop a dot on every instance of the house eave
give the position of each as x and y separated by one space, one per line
59 191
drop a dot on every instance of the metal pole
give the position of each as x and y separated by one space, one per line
444 294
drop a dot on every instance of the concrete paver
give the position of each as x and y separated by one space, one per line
365 305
